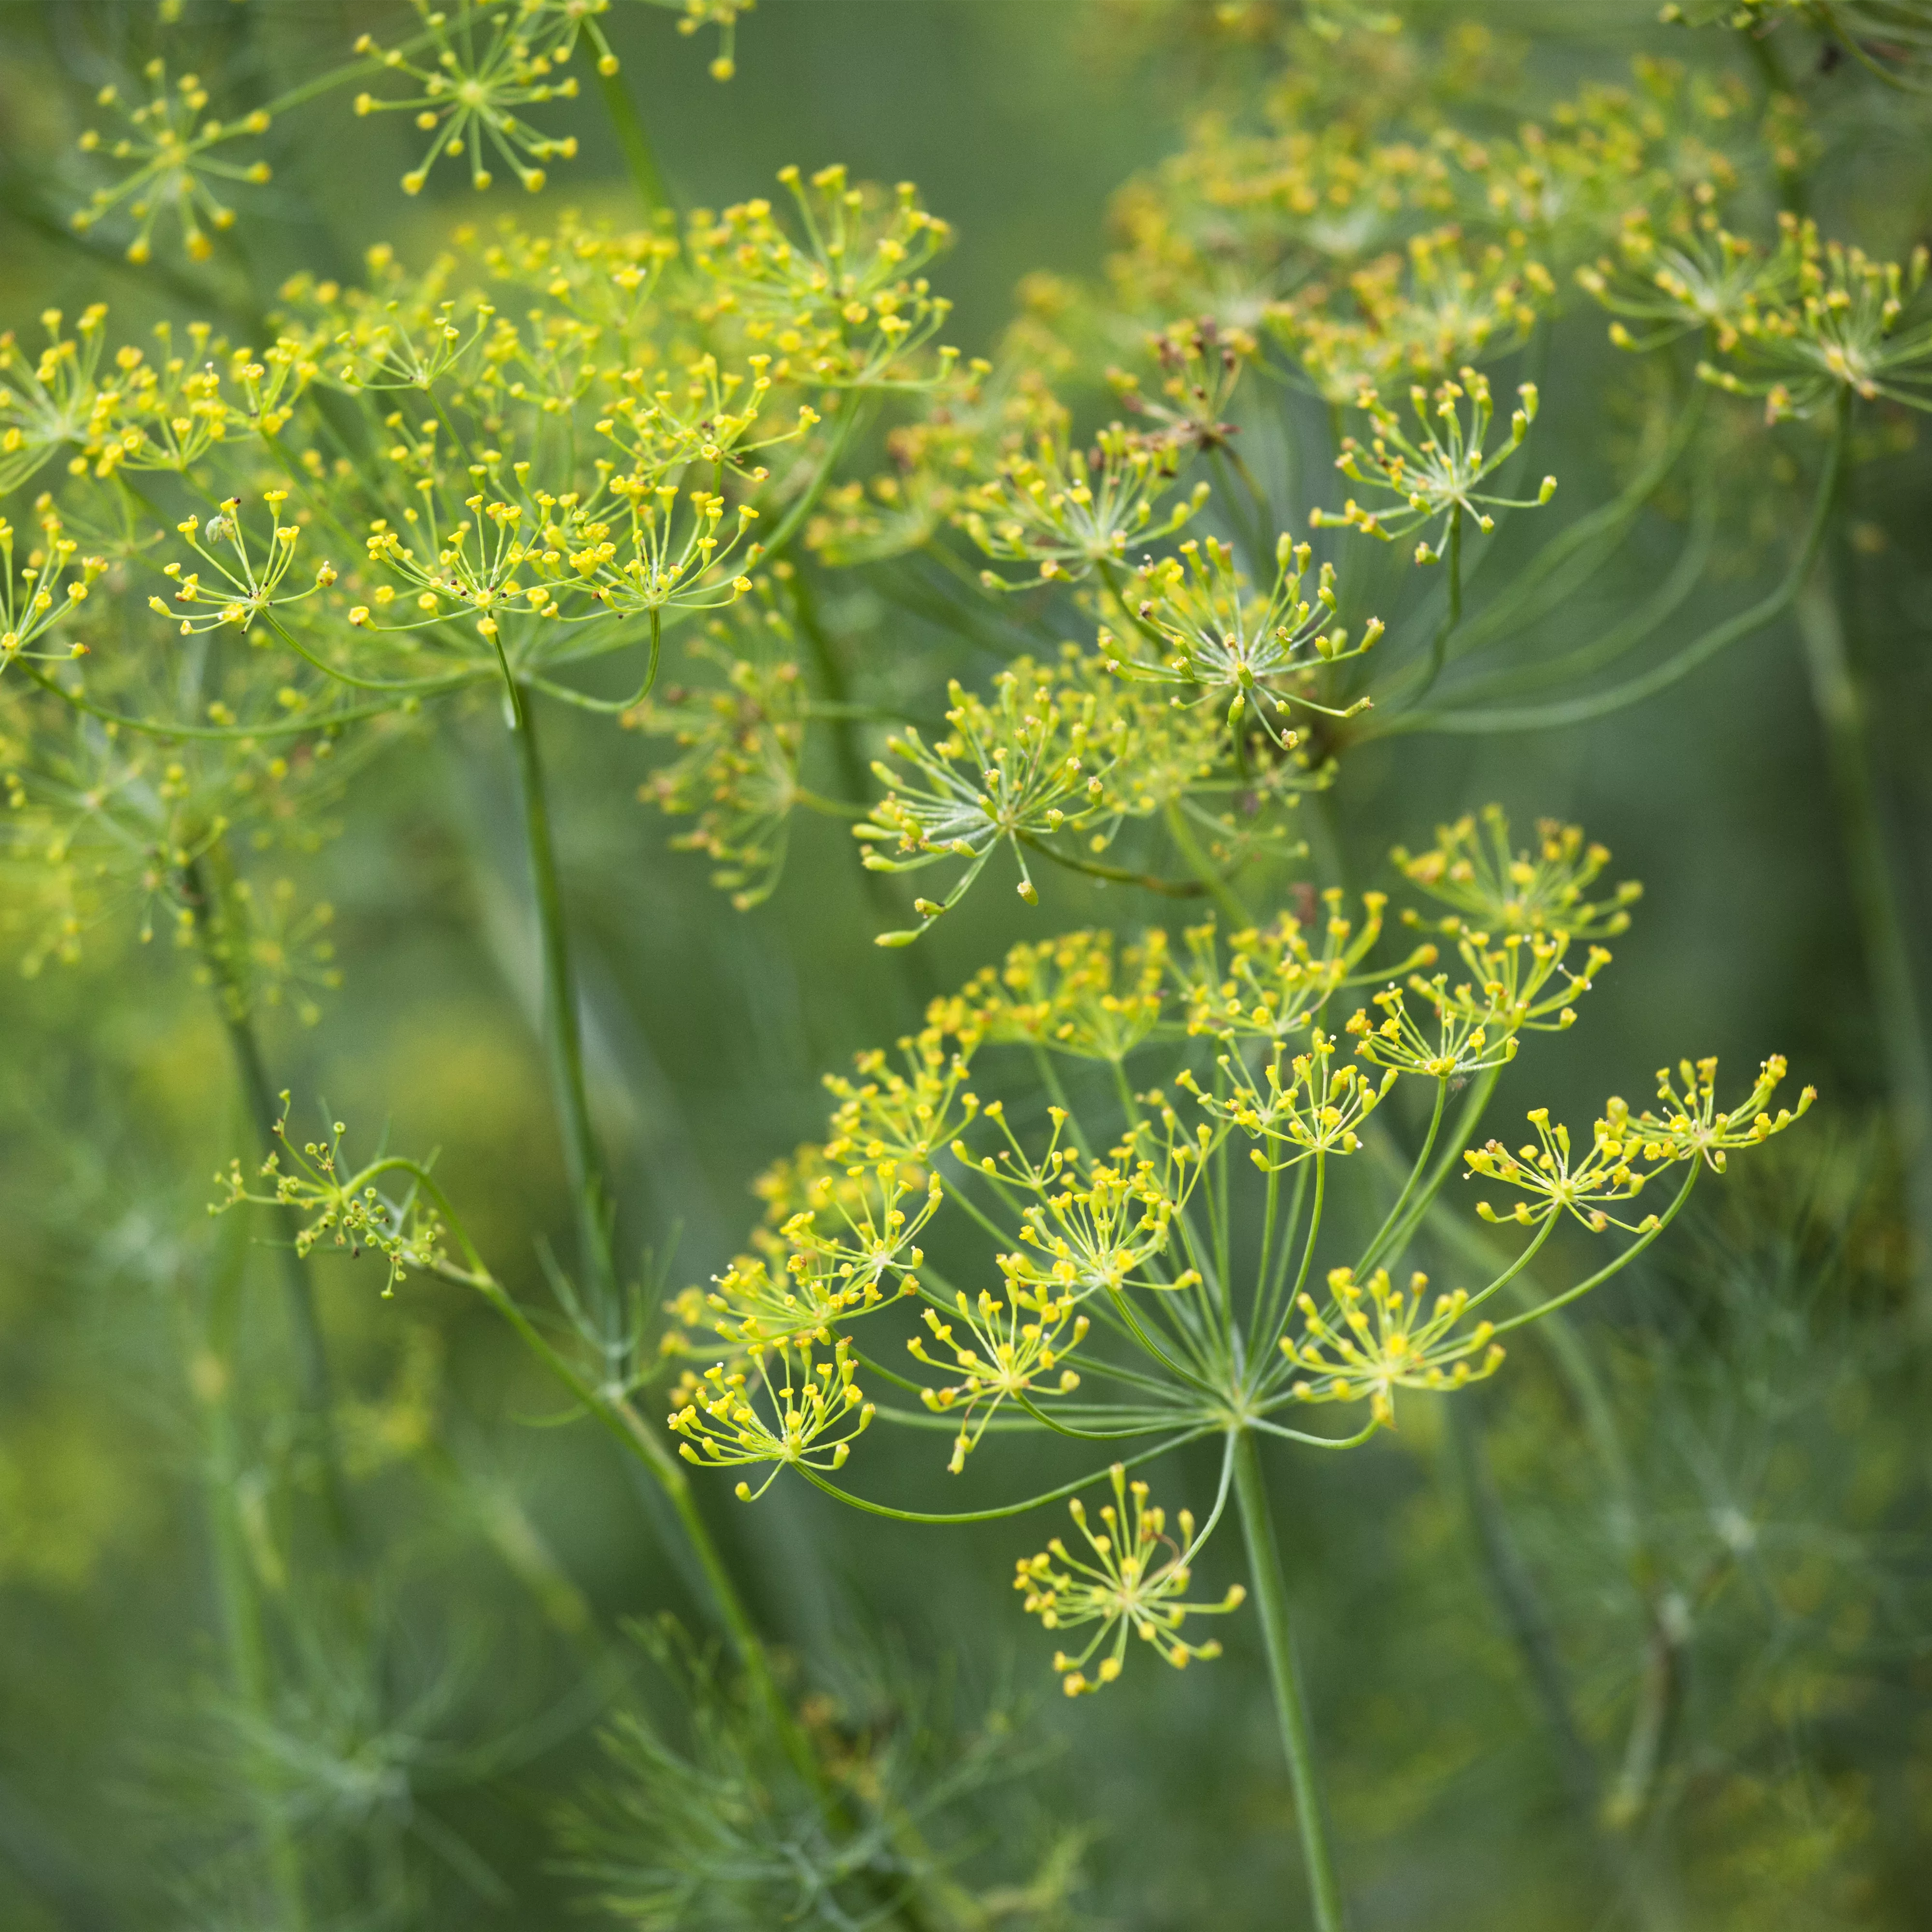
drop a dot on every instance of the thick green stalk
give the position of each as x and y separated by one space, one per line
563 1031
211 1365
1270 1590
1841 708
628 127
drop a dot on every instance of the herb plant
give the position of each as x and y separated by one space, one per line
1157 1205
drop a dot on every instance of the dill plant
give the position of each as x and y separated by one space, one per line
1111 1197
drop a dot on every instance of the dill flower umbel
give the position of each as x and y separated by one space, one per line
1131 1581
175 161
34 601
1473 867
1849 328
468 92
1377 1339
1034 762
336 1208
1065 512
1433 474
1217 641
1078 995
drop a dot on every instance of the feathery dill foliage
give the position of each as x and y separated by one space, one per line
1208 1175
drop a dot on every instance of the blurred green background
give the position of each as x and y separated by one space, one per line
1758 1365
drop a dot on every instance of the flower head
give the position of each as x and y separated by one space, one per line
1076 995
1372 1340
843 307
175 163
1473 868
1433 474
468 86
1849 328
1131 1580
1213 637
796 1406
1037 760
1064 512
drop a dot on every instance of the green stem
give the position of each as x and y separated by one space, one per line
1438 645
1543 584
1117 875
1393 1220
1203 869
628 127
563 1033
1395 1232
212 1380
1698 653
1841 708
202 891
829 674
564 1039
1270 1589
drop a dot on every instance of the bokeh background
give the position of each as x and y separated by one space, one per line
1761 1366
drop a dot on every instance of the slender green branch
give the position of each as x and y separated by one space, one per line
1452 617
1079 1483
1118 875
1623 1260
1270 1589
1195 858
1308 1441
1395 1232
1268 1362
1393 1219
202 891
1622 637
563 1033
1694 655
1538 588
609 707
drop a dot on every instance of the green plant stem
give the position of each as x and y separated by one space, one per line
1396 1231
829 674
1438 645
1842 712
628 127
1271 1590
563 1031
259 1100
564 1039
211 1365
1195 858
1674 669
